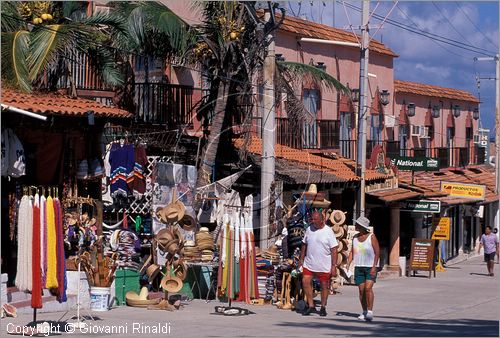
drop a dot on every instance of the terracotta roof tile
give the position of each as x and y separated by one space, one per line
310 29
339 167
59 104
394 195
435 91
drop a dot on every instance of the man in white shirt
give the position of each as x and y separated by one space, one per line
318 258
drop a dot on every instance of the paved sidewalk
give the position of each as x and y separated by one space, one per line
463 301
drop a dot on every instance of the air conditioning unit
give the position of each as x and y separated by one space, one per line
476 139
415 131
424 132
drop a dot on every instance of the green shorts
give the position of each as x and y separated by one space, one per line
362 274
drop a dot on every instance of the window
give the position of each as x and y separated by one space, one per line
346 126
450 134
403 139
311 103
376 128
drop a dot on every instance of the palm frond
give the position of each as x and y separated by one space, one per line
14 55
301 70
11 20
167 22
50 41
103 62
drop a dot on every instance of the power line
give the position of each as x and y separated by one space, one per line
450 23
473 24
437 43
436 37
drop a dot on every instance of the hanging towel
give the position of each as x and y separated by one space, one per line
138 184
51 277
43 245
61 260
36 293
24 243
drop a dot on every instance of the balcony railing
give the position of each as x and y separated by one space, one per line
165 104
319 134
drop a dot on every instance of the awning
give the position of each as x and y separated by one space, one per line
395 195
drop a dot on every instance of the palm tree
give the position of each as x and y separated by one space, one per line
42 37
231 49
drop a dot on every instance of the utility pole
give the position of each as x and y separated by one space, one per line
497 137
363 107
268 137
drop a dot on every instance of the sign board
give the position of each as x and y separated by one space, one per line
441 227
416 163
421 206
422 255
470 191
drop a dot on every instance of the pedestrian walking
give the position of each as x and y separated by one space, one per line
318 258
365 253
490 242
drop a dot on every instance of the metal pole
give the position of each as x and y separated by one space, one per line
268 138
497 125
363 106
497 138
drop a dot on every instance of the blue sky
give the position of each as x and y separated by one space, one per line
420 58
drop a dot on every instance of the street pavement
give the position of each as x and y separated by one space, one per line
461 302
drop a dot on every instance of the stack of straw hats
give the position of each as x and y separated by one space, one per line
271 254
205 243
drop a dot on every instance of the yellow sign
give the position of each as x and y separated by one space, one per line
472 191
441 227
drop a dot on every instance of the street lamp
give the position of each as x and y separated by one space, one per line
456 110
475 114
355 95
321 65
435 111
384 97
411 109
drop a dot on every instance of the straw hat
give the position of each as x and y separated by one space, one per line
175 211
171 284
181 270
172 246
188 223
340 232
313 189
133 299
152 271
203 229
163 237
321 204
337 217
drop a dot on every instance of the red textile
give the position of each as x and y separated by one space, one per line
36 293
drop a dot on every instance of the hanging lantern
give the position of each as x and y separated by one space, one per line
384 97
475 114
435 111
411 109
456 110
355 95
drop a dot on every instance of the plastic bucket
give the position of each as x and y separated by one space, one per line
99 298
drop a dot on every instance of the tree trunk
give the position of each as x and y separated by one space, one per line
209 152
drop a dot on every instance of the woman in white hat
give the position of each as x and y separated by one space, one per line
365 253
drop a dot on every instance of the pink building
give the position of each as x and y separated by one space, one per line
437 122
